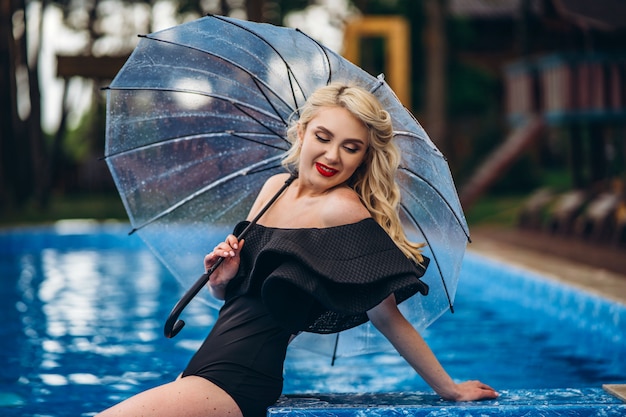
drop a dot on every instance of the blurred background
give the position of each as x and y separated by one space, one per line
526 98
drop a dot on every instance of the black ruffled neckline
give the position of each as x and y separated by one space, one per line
324 280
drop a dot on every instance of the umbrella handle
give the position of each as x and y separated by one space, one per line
172 324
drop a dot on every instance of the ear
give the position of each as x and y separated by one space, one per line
301 130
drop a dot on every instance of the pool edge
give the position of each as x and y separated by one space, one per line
587 402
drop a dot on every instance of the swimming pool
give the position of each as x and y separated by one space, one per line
84 305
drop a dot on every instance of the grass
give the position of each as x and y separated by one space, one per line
500 210
85 206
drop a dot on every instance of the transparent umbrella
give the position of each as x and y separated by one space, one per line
196 122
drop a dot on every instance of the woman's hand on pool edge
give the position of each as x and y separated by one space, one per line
473 391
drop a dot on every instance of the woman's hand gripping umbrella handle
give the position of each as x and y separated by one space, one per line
173 325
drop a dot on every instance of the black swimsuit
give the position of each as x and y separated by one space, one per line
291 280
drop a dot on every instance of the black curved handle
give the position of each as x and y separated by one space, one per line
172 324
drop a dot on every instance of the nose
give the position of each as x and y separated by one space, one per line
332 154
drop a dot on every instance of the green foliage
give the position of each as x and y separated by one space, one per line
522 177
79 206
502 206
471 91
286 6
557 179
502 210
461 33
76 143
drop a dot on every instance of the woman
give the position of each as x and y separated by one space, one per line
311 263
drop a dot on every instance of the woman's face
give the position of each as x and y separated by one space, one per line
333 145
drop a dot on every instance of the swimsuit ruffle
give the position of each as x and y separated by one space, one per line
325 280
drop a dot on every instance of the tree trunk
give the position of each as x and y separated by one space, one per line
7 98
254 10
16 163
35 134
436 70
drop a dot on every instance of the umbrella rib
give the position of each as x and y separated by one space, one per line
456 217
252 169
319 45
240 108
289 70
159 142
258 86
434 255
240 136
236 104
380 77
425 138
189 137
250 74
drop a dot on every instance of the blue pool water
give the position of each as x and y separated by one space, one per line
83 311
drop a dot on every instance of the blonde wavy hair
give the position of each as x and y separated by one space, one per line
374 181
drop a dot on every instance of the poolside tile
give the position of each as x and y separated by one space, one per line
588 402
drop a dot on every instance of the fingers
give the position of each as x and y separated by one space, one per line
232 241
224 251
485 391
475 390
229 248
484 386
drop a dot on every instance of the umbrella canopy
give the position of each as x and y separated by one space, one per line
196 122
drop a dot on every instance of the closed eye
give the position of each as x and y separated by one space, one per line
321 139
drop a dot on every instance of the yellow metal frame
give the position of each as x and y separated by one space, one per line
395 32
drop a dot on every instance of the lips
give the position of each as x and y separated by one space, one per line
324 170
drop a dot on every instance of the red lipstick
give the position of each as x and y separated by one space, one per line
324 170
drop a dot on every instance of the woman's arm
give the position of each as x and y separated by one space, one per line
410 344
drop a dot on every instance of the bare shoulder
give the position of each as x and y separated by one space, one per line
343 206
269 189
273 183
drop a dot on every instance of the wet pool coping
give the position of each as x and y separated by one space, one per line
587 402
